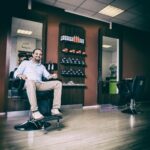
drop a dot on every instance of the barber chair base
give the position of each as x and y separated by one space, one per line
33 124
129 111
131 108
134 111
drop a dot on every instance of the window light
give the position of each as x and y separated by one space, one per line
111 11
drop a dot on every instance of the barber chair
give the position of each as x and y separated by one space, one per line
130 91
44 100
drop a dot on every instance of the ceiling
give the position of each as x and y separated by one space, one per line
35 27
109 41
136 14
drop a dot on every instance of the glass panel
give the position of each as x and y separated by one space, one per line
110 64
23 42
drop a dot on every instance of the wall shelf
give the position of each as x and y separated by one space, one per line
71 62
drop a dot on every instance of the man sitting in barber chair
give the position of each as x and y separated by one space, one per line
32 71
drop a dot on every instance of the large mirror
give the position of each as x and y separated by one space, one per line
110 64
108 68
26 35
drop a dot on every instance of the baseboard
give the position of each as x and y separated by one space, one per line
17 113
73 106
91 107
108 108
2 113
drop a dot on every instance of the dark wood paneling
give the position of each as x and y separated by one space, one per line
136 56
72 95
18 9
4 44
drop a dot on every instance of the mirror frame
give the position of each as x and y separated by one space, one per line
112 33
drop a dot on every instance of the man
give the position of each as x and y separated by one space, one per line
32 72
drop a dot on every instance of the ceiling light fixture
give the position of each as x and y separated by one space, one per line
106 46
111 11
27 32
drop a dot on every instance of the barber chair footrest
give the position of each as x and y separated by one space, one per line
33 124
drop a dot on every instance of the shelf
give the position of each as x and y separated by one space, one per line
77 85
65 41
72 39
79 76
75 54
71 64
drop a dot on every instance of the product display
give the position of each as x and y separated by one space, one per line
72 53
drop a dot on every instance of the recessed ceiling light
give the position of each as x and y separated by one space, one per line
27 32
106 46
111 11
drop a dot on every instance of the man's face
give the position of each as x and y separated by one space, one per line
37 55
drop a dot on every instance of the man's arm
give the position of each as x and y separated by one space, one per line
47 75
20 70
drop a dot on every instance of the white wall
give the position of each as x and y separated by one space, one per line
13 54
26 44
106 60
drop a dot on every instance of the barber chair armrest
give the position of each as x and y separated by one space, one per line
52 79
17 83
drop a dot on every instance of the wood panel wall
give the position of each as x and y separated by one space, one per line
3 45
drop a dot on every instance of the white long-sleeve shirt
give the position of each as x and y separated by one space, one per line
32 70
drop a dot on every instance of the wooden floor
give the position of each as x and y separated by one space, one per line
82 130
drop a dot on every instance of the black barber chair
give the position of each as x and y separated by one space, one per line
130 91
44 100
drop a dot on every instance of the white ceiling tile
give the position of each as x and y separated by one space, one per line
47 2
119 21
137 9
72 2
84 12
100 16
105 1
126 16
93 5
124 4
65 6
138 20
136 12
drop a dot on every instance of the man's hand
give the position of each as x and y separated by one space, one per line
54 76
21 76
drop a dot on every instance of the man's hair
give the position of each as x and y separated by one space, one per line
37 49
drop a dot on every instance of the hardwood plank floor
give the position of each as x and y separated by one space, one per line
82 129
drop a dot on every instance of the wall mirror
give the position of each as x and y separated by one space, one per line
108 67
110 58
26 35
